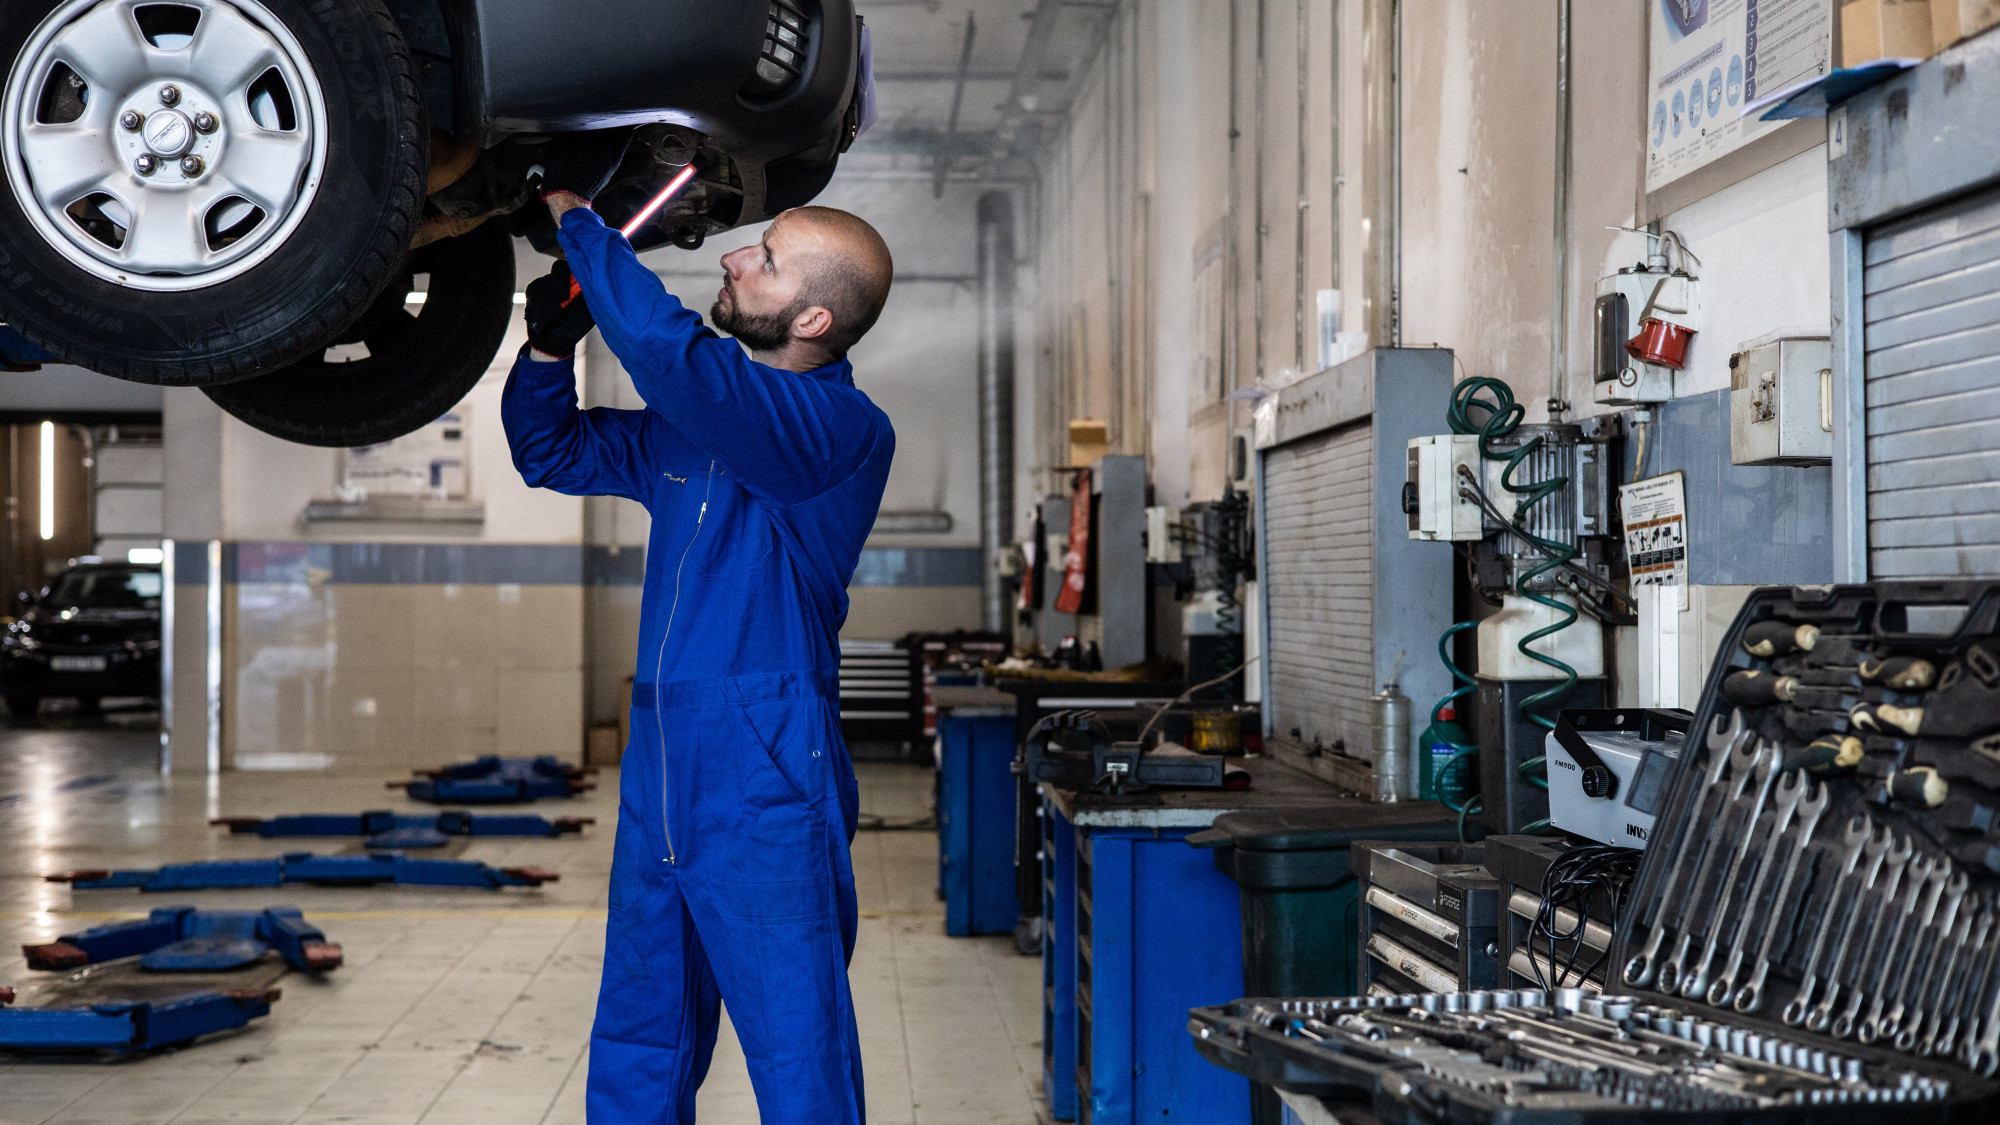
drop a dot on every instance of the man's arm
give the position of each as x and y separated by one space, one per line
594 452
788 437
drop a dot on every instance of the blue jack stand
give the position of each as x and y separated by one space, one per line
386 829
497 781
125 1025
319 870
183 939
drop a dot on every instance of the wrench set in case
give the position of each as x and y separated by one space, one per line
1813 933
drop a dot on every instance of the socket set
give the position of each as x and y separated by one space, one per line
1436 1056
1813 930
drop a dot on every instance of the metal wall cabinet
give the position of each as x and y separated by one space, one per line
976 822
1913 202
1344 589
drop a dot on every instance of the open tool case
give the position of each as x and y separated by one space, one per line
1814 932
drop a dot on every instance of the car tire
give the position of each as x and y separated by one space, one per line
331 137
417 367
24 704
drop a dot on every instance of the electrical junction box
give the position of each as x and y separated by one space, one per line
1430 493
1163 535
1781 402
1623 300
1608 771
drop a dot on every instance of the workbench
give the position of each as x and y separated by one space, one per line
1143 927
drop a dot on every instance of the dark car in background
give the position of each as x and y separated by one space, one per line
309 207
94 631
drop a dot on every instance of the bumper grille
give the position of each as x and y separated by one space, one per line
782 61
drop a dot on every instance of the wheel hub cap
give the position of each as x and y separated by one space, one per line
169 134
167 206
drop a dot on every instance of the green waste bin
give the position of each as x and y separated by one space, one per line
1301 902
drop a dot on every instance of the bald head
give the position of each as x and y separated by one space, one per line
848 270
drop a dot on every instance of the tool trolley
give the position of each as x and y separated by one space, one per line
1429 918
1814 932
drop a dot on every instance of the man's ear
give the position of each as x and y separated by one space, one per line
812 324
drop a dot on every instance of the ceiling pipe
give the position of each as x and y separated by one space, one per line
950 141
1559 332
996 400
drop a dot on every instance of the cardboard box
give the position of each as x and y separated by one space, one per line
1953 20
1884 29
1089 439
603 746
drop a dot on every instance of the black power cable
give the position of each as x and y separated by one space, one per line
1573 881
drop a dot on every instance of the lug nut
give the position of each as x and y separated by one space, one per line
204 123
191 165
131 120
146 164
170 95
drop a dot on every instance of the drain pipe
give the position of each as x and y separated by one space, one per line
1559 332
996 399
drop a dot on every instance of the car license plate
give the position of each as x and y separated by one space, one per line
76 664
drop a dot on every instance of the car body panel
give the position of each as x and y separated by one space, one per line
546 66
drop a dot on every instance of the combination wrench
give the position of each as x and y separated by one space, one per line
1751 995
1909 880
1942 1029
1767 758
1860 832
1886 1015
1743 761
1722 744
1930 998
1890 854
1971 988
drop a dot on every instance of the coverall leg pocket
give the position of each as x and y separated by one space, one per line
779 960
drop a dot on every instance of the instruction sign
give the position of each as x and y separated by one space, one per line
1656 530
1708 59
430 462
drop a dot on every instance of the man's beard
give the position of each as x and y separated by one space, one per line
760 333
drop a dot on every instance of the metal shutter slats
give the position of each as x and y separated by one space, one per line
1931 332
1957 378
1319 558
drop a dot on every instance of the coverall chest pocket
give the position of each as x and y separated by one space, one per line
742 537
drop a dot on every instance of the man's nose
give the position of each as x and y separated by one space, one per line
729 261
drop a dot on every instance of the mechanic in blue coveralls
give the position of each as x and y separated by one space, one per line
731 879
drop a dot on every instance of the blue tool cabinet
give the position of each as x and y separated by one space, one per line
1058 852
976 822
1145 927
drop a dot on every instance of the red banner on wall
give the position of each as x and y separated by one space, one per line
1075 573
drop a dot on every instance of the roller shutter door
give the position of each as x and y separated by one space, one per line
1931 330
1318 495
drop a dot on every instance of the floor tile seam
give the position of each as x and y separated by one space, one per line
582 1053
386 1032
902 1023
500 1018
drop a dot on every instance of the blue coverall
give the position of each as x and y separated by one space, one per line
731 876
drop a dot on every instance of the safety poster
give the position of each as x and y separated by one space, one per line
1656 530
1710 58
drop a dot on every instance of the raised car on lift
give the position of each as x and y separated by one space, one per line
93 631
308 208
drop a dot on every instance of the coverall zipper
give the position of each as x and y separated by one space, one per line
659 662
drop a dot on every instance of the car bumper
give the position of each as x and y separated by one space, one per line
123 674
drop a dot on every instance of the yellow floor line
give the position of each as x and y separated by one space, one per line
526 912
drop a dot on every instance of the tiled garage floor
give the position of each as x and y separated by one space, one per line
460 1006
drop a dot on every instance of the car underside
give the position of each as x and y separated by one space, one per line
308 207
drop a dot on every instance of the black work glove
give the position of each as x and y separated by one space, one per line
558 316
582 164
